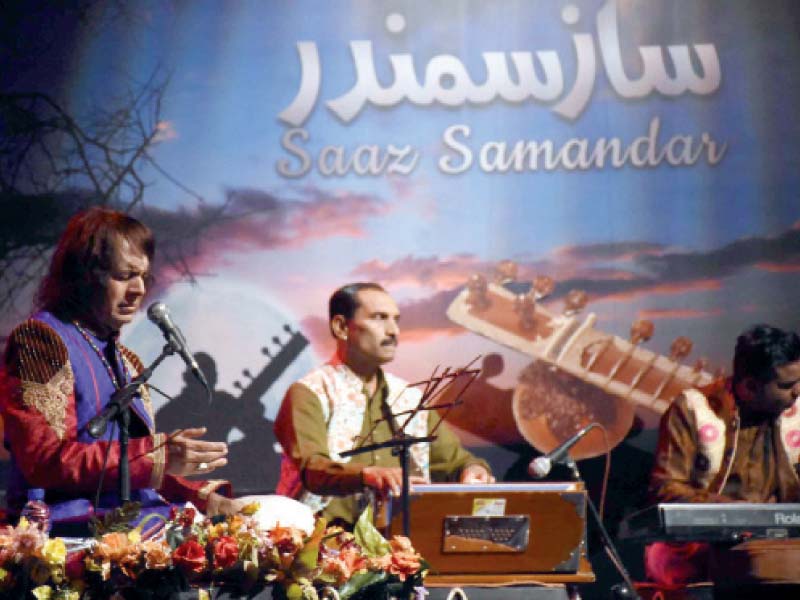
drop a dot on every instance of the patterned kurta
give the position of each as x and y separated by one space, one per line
52 384
707 452
328 412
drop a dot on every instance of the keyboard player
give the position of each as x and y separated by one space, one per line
736 440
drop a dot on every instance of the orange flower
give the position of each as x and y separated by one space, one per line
405 560
380 563
401 543
235 523
353 558
335 566
344 564
117 547
111 545
287 540
216 531
157 555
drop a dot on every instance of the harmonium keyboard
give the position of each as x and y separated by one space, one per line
712 522
505 528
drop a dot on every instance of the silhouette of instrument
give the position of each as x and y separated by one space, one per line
278 362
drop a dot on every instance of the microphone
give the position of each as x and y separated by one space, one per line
158 313
119 400
541 465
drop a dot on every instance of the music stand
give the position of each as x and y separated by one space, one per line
400 442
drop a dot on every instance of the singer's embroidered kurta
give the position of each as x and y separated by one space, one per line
52 384
329 411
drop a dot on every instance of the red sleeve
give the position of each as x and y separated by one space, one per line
180 489
37 400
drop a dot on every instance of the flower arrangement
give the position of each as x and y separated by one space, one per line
211 553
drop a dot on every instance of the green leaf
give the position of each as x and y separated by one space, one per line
327 578
174 536
294 591
307 557
360 581
368 537
118 519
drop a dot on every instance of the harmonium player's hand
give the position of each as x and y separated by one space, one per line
476 474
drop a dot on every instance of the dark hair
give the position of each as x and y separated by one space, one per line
344 301
761 349
83 257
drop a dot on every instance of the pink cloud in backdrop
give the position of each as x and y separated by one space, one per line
677 313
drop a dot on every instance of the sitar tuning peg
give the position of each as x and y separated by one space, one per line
525 307
575 302
237 385
287 328
247 373
505 272
265 351
542 285
680 348
478 292
642 331
276 340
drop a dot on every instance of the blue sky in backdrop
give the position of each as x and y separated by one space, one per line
703 250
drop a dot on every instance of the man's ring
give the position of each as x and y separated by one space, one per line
202 466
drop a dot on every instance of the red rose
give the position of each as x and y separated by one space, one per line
226 552
190 556
186 518
75 567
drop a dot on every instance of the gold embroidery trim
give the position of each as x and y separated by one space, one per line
144 392
159 458
210 486
51 398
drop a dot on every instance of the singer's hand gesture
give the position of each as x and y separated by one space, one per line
187 455
220 505
476 474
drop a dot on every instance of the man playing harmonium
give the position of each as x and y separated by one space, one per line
333 408
737 440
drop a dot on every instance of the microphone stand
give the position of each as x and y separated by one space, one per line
121 401
400 444
626 589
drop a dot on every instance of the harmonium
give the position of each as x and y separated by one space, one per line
506 528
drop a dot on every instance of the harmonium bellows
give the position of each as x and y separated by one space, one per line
499 528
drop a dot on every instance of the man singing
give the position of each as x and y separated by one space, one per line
63 365
334 407
736 440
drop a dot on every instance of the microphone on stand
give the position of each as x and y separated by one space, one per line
119 400
158 313
542 465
